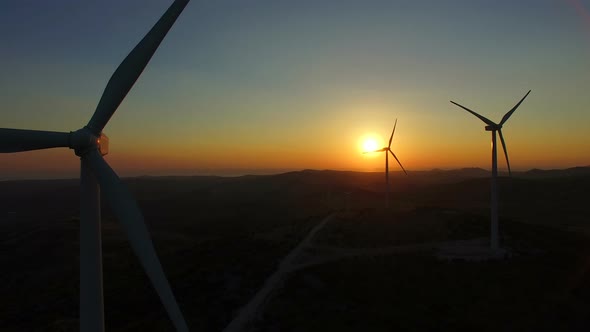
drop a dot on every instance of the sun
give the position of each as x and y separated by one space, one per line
370 144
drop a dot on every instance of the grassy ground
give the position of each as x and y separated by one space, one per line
219 238
545 286
217 245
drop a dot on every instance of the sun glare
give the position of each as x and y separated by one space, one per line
369 144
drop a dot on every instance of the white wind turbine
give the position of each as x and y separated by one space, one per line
90 144
495 127
387 150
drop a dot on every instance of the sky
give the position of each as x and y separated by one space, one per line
268 86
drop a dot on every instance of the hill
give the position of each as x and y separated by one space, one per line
219 238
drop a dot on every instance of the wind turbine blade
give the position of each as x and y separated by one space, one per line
17 140
130 69
482 118
505 151
400 164
507 115
393 131
125 208
379 150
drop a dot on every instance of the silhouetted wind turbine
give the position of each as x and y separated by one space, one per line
495 127
386 150
90 144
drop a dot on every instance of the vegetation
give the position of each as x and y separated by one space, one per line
220 238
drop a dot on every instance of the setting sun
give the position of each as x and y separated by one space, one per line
370 144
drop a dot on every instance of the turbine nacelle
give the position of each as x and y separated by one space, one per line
493 127
83 140
103 144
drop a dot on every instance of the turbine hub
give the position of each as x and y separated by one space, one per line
83 140
493 128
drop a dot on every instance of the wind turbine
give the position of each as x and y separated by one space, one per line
386 150
495 127
91 144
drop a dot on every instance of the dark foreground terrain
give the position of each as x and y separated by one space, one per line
220 238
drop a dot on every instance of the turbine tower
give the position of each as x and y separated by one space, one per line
386 150
495 127
91 144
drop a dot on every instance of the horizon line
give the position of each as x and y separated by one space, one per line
238 172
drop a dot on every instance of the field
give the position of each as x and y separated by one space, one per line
369 268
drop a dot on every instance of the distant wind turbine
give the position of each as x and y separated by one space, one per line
386 150
91 144
495 127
